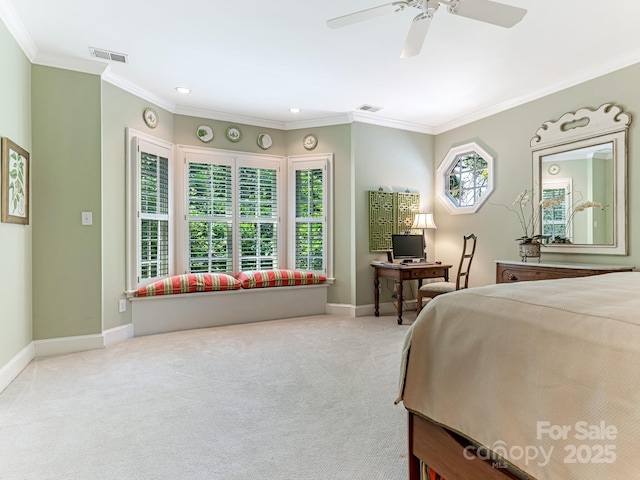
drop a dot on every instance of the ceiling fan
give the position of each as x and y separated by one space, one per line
483 10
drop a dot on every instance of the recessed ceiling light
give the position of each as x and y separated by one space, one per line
294 110
184 90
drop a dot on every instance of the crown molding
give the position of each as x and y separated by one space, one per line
320 122
391 123
585 75
134 89
17 30
70 63
340 119
229 117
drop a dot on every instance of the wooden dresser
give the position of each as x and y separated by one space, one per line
509 271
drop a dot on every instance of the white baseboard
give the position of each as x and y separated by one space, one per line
118 334
13 368
341 309
387 308
58 346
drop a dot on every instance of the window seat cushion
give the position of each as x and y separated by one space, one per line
188 283
278 278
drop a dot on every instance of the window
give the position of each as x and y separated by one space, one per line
154 215
309 204
210 217
259 217
233 219
465 178
149 214
554 218
221 211
310 212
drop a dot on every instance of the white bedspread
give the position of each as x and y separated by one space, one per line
546 373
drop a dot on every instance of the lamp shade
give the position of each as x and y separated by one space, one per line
423 221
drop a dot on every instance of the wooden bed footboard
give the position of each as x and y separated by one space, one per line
444 452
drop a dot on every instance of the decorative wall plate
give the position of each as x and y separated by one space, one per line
204 133
151 117
310 141
264 141
554 169
234 134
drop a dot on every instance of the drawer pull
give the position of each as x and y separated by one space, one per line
512 277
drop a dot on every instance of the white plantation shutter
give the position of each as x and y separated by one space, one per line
258 211
210 217
309 222
554 220
149 233
233 213
311 213
153 215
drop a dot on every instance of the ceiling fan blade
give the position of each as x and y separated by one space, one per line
367 14
490 12
416 36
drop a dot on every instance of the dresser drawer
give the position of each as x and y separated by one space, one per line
522 272
509 275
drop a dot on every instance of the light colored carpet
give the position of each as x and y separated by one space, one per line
307 398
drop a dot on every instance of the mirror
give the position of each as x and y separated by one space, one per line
579 166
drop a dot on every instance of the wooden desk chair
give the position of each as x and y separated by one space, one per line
431 290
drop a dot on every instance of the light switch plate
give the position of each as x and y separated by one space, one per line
87 218
122 305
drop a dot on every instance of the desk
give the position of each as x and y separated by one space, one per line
402 272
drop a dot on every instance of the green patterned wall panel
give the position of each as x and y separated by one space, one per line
407 205
389 213
381 220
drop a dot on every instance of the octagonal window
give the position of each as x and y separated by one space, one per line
465 178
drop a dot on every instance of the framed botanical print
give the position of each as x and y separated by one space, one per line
15 183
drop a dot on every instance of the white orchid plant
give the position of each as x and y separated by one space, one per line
530 214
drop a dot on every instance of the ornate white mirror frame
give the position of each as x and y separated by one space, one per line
587 129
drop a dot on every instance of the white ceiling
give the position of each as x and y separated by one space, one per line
251 60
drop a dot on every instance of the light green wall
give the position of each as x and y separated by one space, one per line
507 135
15 240
393 158
119 111
337 140
334 139
185 134
78 164
578 172
67 285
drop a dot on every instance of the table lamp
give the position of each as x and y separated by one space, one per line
423 221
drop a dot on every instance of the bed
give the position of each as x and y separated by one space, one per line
533 380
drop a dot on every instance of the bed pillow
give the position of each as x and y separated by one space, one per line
190 282
278 278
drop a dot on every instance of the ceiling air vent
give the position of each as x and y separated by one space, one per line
107 55
369 108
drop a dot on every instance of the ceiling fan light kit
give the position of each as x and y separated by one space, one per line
483 10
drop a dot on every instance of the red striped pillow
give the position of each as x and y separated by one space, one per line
278 278
188 283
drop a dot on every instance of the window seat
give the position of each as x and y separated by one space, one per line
252 297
